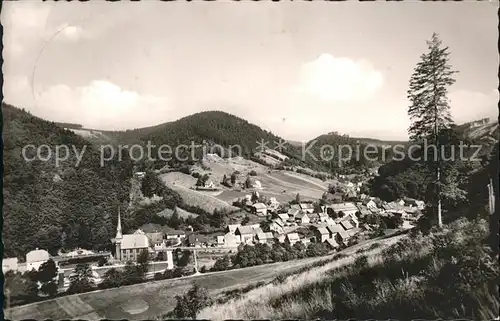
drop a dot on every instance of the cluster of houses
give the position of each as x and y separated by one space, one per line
253 234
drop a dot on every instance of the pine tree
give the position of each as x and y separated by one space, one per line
429 110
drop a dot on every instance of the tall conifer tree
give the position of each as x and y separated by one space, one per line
429 110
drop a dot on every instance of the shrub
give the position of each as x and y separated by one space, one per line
252 173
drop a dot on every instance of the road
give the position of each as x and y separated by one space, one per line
158 295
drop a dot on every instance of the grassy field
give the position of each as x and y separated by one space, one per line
282 185
160 295
180 183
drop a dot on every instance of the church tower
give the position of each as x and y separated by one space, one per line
118 238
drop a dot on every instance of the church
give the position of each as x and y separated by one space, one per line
129 246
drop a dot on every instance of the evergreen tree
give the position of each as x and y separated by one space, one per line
297 198
175 220
143 262
429 110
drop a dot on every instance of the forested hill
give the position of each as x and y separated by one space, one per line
49 206
211 127
214 126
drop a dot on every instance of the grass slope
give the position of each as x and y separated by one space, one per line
447 274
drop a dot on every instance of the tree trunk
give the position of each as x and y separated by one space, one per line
439 216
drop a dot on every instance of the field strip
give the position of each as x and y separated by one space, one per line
305 179
293 185
75 307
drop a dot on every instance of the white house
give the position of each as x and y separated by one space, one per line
277 226
259 209
209 184
369 203
284 217
302 218
35 258
264 237
307 208
292 238
247 233
231 228
9 264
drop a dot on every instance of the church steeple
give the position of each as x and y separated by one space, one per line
119 227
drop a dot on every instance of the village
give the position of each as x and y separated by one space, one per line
341 218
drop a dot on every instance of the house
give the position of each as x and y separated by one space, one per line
323 217
292 238
330 221
307 208
284 217
197 240
346 224
247 233
264 237
292 212
228 240
411 211
281 238
35 258
367 227
277 226
322 234
400 202
295 207
414 203
153 232
274 205
9 264
209 185
231 228
302 218
346 208
171 233
314 217
338 233
259 209
257 185
332 243
369 203
363 210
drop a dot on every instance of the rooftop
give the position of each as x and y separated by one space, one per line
37 256
134 241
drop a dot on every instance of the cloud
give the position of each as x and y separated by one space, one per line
72 33
100 104
472 105
332 79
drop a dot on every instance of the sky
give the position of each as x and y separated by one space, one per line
297 69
